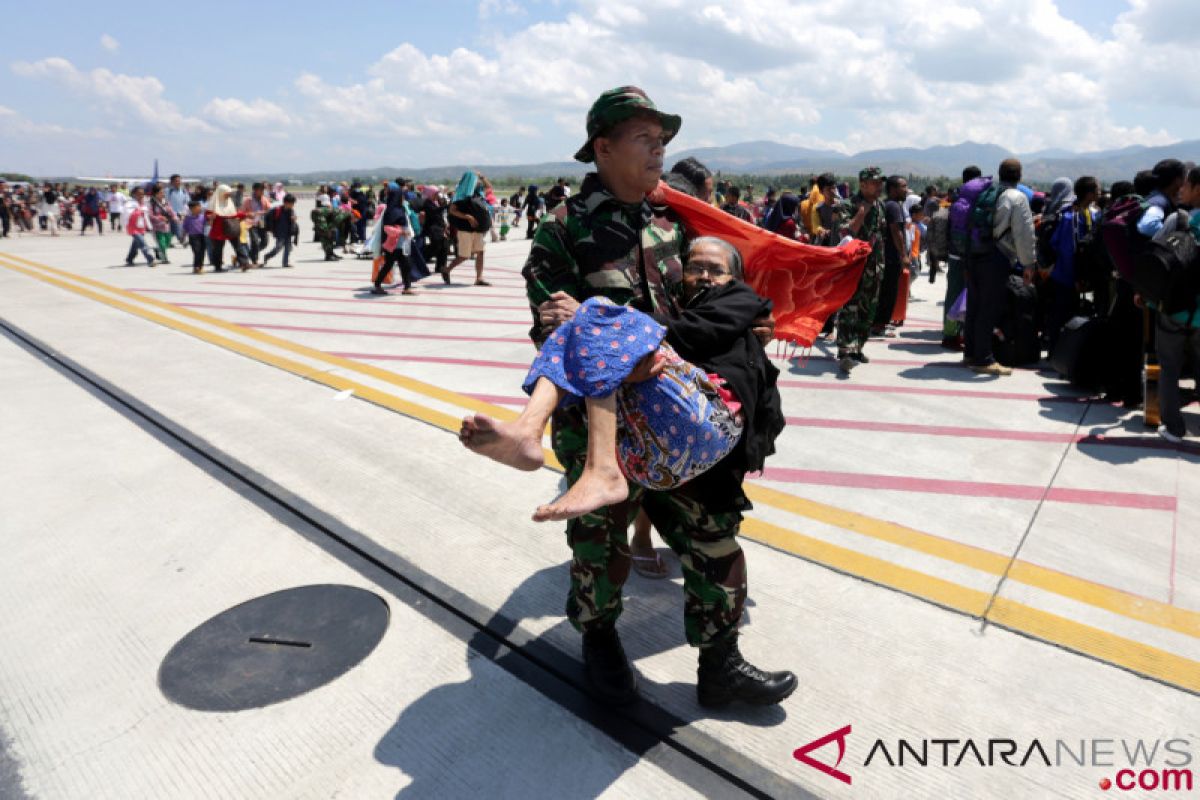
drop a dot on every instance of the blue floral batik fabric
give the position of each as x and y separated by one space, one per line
670 429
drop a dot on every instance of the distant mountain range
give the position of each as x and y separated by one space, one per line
772 158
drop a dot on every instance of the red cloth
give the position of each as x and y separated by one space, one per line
805 283
900 310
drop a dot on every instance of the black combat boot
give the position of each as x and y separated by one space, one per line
606 666
725 676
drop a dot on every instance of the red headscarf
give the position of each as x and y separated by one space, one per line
804 282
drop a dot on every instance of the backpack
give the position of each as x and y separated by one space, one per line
981 219
1120 234
50 196
960 214
1167 272
1093 268
1046 254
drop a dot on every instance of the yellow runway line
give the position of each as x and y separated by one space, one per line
1076 636
1110 648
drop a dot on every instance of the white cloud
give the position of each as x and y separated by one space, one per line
109 43
845 75
232 113
122 96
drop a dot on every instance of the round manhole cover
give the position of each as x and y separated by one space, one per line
273 648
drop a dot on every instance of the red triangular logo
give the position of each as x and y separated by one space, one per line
801 754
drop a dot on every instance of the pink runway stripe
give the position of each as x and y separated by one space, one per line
487 270
895 362
1145 442
851 386
366 285
399 302
462 362
385 334
364 279
1007 491
355 314
498 399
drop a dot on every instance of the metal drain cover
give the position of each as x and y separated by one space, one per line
273 648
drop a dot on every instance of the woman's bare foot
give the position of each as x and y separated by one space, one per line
594 489
510 443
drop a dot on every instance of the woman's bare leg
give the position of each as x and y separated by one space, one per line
602 482
518 443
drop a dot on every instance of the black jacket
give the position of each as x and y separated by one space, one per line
713 332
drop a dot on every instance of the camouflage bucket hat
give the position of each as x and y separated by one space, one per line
870 174
617 105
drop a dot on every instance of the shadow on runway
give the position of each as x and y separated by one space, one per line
1128 440
436 739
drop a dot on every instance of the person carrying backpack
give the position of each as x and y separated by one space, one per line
1177 334
954 333
1129 229
1001 237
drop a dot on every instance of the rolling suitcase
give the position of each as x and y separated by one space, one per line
1080 354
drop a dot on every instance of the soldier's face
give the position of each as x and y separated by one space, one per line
870 189
633 157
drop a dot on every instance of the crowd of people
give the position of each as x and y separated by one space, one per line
402 225
1021 266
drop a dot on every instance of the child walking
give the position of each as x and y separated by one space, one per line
136 227
193 229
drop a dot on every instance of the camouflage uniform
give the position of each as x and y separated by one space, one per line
323 226
855 318
594 245
343 223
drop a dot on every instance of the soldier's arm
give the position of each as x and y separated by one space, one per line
856 216
549 269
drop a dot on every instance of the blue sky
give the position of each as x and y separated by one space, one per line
249 86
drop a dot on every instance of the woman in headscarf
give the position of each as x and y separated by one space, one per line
226 227
1061 195
396 238
1067 236
782 219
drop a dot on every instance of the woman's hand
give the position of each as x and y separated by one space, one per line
650 367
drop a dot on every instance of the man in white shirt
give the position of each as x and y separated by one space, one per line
49 208
116 205
987 277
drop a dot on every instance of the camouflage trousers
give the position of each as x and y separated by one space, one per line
714 567
326 238
856 317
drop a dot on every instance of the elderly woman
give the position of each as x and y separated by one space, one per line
669 399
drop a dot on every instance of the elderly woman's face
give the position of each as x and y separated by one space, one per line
707 266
